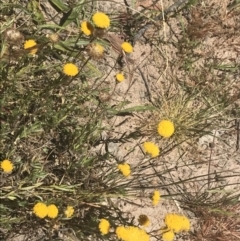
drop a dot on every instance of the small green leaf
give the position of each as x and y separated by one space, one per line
50 26
59 5
131 109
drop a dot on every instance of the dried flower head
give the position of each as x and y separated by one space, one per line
13 36
144 220
52 211
69 211
127 47
151 148
7 166
29 44
124 169
54 38
177 223
87 28
70 69
101 20
104 226
132 233
120 77
156 197
168 235
40 210
166 128
95 50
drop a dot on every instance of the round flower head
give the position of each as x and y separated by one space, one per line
168 236
7 166
165 128
54 38
101 20
119 77
124 169
155 197
13 36
144 220
177 223
151 148
185 224
29 44
127 47
69 211
52 211
40 210
132 233
87 28
70 69
104 226
95 50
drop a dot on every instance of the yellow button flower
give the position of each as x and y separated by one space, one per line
69 211
7 166
119 77
127 47
40 210
124 169
155 197
29 44
87 28
104 226
177 223
52 211
132 233
70 69
168 236
101 20
151 148
166 128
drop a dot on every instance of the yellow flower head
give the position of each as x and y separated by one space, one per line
165 128
168 236
69 211
177 223
95 50
87 28
70 69
52 211
124 169
132 233
40 210
156 197
101 20
151 148
144 220
104 226
119 77
7 166
127 47
29 44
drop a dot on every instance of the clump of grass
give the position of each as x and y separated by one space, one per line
178 108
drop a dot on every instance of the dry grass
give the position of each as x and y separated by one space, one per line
219 224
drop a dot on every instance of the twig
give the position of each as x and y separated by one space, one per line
149 95
237 122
